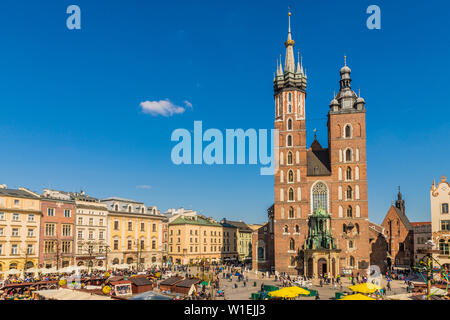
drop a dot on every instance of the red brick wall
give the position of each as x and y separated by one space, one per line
59 220
360 250
397 233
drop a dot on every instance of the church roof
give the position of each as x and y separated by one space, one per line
318 160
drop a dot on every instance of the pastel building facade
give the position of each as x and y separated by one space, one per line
136 233
20 214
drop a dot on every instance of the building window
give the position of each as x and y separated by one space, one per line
285 229
289 141
116 244
30 233
1 232
14 250
352 261
348 131
153 244
100 222
49 229
66 230
129 244
116 225
67 213
91 221
320 196
51 212
130 226
291 194
349 193
297 229
348 173
445 225
290 176
289 124
80 234
15 217
2 216
66 246
100 235
49 246
142 226
30 217
1 249
291 213
348 155
350 244
91 235
349 212
80 220
291 244
15 232
16 202
444 208
444 247
154 228
142 244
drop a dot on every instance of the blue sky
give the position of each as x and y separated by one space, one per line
70 100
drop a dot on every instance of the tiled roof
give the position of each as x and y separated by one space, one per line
196 220
417 224
17 193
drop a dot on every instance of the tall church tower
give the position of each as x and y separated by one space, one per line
320 218
347 148
290 95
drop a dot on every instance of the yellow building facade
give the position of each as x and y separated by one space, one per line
20 213
193 239
135 234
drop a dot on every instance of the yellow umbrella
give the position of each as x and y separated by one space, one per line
298 290
365 288
357 296
283 293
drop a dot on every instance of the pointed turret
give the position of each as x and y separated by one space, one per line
289 65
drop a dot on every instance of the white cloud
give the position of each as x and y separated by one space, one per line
187 103
163 107
143 187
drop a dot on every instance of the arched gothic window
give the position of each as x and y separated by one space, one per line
291 213
348 131
349 212
320 196
291 194
285 229
291 176
289 161
289 141
348 173
289 124
297 229
349 193
348 155
292 244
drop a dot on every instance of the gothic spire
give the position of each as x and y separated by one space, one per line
289 61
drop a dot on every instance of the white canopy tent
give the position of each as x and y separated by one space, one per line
68 294
12 272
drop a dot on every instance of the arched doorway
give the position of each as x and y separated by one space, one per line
115 261
130 260
322 267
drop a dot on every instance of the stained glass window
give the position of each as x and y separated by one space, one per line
320 196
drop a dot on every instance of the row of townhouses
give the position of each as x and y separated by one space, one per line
58 229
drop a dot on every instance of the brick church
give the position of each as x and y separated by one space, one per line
319 221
